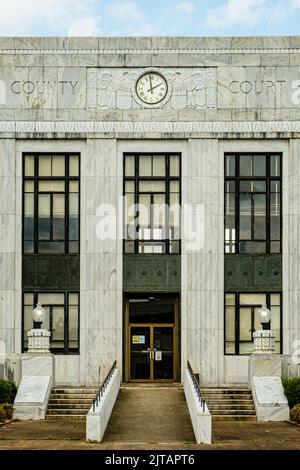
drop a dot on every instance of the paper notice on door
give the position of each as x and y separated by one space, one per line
135 339
158 355
141 339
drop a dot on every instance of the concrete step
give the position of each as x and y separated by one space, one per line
75 391
68 417
232 412
69 406
219 401
224 391
74 401
233 418
64 411
231 407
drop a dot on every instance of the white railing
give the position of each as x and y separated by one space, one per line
198 409
101 409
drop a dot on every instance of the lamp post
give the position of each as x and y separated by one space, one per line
264 339
38 338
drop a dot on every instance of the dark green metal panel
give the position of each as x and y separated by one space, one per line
253 273
51 272
151 273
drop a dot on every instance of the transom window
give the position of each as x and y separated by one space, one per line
242 320
62 319
152 203
51 203
253 203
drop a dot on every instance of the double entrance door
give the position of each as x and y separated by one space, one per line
152 351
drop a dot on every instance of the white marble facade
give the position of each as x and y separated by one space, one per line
49 102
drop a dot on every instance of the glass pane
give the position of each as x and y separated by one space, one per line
74 186
44 165
144 209
28 247
275 165
28 299
145 165
58 327
230 186
275 186
230 299
74 165
245 216
129 247
51 298
73 216
230 324
174 247
259 201
139 352
275 299
252 247
27 323
29 165
259 165
230 165
28 186
163 353
245 165
44 217
29 216
253 299
73 327
129 165
174 165
152 247
252 186
58 165
159 210
275 216
152 186
245 186
73 247
129 187
51 247
51 186
58 221
275 247
73 299
159 165
174 186
245 324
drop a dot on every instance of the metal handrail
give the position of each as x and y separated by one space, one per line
196 386
104 386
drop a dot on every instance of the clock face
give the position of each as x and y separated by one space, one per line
151 88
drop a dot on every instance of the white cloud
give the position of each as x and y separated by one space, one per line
241 13
131 19
185 7
84 26
23 17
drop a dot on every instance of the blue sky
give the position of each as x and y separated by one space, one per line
149 17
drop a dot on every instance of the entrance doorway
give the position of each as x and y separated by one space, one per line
151 340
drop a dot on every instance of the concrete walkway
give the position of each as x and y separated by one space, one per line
150 413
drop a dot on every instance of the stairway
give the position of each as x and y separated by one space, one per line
230 404
72 403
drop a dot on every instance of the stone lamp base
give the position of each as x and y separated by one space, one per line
264 342
38 341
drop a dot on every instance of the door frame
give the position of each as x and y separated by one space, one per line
127 349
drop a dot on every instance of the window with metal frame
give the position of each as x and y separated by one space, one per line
152 198
62 319
253 203
242 320
51 203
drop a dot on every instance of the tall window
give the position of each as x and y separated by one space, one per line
242 320
51 203
253 203
62 319
152 203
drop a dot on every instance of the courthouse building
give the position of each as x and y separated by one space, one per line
95 135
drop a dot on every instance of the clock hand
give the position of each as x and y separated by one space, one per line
153 88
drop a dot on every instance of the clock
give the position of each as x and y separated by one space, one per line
151 88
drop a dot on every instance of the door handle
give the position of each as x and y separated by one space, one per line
150 353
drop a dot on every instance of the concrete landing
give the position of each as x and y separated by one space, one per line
150 414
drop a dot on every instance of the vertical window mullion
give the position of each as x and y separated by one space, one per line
67 197
237 324
66 323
